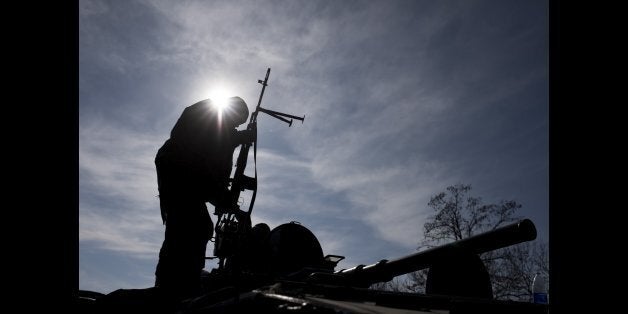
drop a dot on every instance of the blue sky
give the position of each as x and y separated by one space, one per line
401 98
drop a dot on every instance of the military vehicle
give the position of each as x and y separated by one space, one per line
283 270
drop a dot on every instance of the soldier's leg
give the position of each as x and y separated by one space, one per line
182 256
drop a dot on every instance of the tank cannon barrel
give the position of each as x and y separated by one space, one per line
384 270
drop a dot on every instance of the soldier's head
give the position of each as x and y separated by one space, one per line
235 112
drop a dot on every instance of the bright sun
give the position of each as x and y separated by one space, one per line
220 98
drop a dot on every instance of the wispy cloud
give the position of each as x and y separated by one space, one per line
402 98
135 235
118 208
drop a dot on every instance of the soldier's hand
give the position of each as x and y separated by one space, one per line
247 136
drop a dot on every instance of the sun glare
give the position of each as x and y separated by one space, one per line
220 99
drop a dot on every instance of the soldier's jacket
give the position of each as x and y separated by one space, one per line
197 159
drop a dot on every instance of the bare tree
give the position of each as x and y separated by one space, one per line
397 284
416 281
459 215
513 272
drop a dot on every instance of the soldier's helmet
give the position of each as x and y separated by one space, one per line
237 111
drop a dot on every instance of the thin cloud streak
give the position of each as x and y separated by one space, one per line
118 208
129 234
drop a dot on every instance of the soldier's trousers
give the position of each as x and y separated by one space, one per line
182 255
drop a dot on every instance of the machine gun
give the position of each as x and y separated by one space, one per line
233 227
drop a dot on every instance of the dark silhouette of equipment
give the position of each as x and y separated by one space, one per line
291 248
459 273
293 274
284 270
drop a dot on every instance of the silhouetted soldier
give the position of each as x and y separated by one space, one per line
193 167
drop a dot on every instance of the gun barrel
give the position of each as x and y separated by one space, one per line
515 233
